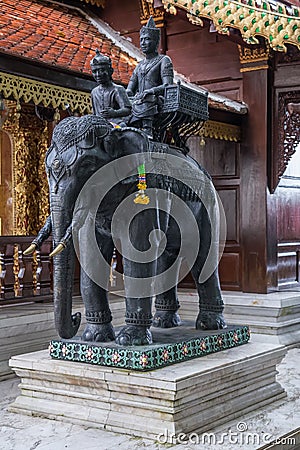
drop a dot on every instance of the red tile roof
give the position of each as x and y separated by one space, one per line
57 35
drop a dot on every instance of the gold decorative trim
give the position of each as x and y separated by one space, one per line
276 23
195 20
28 90
220 130
249 55
252 59
147 10
100 3
253 68
29 138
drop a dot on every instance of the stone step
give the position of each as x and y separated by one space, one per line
30 327
274 317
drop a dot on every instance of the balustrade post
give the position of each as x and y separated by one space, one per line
44 269
26 271
7 277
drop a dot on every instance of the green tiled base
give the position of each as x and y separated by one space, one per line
170 346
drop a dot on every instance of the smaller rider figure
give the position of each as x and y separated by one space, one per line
109 100
149 79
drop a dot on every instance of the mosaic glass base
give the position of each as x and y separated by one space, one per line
170 346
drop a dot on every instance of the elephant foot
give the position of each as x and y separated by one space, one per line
208 320
134 335
95 332
166 319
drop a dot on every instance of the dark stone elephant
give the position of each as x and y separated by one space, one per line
83 147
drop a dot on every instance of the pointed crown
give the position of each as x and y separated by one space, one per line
150 29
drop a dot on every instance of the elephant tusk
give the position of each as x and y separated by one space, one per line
30 249
58 249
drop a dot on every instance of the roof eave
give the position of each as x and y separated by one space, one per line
277 23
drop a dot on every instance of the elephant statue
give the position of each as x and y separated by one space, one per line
88 158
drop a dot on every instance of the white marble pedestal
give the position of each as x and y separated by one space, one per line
194 396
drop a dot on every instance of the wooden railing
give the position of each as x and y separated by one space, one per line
29 278
24 278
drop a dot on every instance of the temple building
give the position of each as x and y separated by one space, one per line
245 53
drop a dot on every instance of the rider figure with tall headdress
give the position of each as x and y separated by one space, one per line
149 79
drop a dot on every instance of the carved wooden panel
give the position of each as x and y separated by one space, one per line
229 271
219 158
287 197
232 89
288 266
222 160
286 133
230 200
288 210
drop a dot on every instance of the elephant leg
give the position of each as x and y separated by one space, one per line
138 321
98 315
138 316
97 312
138 280
166 303
211 305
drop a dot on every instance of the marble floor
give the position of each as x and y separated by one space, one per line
253 431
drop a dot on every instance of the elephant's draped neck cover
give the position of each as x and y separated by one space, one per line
76 129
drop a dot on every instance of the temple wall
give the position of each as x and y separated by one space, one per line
242 172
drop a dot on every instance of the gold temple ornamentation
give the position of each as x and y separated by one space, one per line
28 90
220 130
29 136
99 3
254 58
249 55
251 69
278 24
147 10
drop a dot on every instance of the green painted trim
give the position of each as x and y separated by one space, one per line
152 356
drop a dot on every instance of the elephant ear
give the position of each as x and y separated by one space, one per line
57 162
87 142
62 152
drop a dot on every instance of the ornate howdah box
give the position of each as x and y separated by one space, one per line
180 98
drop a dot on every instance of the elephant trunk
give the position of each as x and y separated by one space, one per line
66 323
63 242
